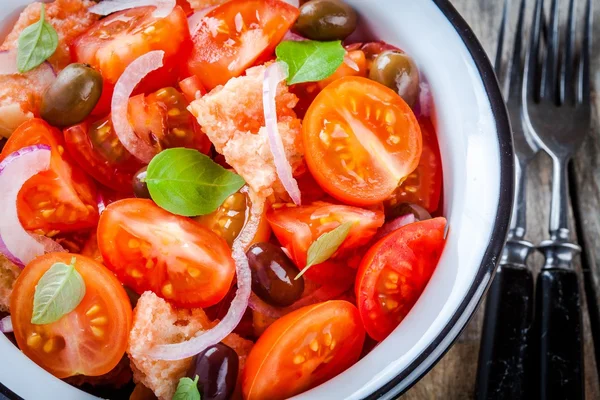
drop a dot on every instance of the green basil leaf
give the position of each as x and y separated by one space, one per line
36 43
187 389
310 61
325 246
187 182
58 292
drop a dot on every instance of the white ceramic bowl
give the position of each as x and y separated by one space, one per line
476 149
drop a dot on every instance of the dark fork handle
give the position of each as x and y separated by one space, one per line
560 335
504 356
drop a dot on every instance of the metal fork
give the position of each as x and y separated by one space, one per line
557 110
504 359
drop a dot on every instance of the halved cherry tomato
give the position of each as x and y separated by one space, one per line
394 273
175 257
302 350
161 116
424 185
355 56
297 228
91 339
361 140
235 35
115 41
62 198
229 219
192 88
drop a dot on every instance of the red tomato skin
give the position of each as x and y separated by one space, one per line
213 62
192 88
412 253
63 175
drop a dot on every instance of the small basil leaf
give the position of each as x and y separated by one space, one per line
310 61
58 292
187 389
36 43
325 246
188 183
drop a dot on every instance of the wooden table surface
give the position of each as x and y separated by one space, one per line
454 376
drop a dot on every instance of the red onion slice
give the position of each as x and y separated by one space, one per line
15 243
295 3
351 63
274 74
238 306
6 325
132 75
425 99
195 19
293 37
163 7
393 225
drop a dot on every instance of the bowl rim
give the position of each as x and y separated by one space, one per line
409 376
445 339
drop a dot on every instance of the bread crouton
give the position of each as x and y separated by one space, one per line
232 116
20 94
8 274
156 322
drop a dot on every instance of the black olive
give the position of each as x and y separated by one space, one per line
140 187
72 96
399 72
326 20
217 370
133 296
273 275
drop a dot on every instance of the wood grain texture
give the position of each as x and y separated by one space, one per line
453 378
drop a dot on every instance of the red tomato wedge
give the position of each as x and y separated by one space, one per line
175 257
233 36
297 228
192 88
424 185
394 273
115 41
61 199
361 140
302 350
91 339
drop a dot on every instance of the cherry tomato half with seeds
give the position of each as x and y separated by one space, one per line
297 228
303 349
61 199
233 36
91 339
394 273
149 248
361 140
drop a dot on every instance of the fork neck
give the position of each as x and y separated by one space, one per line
559 211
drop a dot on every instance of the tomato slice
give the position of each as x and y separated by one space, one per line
61 199
192 88
394 273
233 36
302 350
91 339
175 257
114 42
424 185
297 228
361 140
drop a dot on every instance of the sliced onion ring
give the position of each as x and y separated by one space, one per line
274 74
6 325
238 306
133 74
15 243
394 225
163 7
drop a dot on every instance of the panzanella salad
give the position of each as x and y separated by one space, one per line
210 199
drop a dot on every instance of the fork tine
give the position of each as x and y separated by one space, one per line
568 83
515 72
501 36
584 76
531 75
549 81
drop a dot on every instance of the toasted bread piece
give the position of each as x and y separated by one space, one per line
8 275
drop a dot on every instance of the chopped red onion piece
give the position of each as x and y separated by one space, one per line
293 37
163 7
238 306
425 99
274 74
6 325
393 225
15 242
295 3
132 75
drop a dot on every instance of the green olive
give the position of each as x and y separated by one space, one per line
326 20
399 72
72 96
